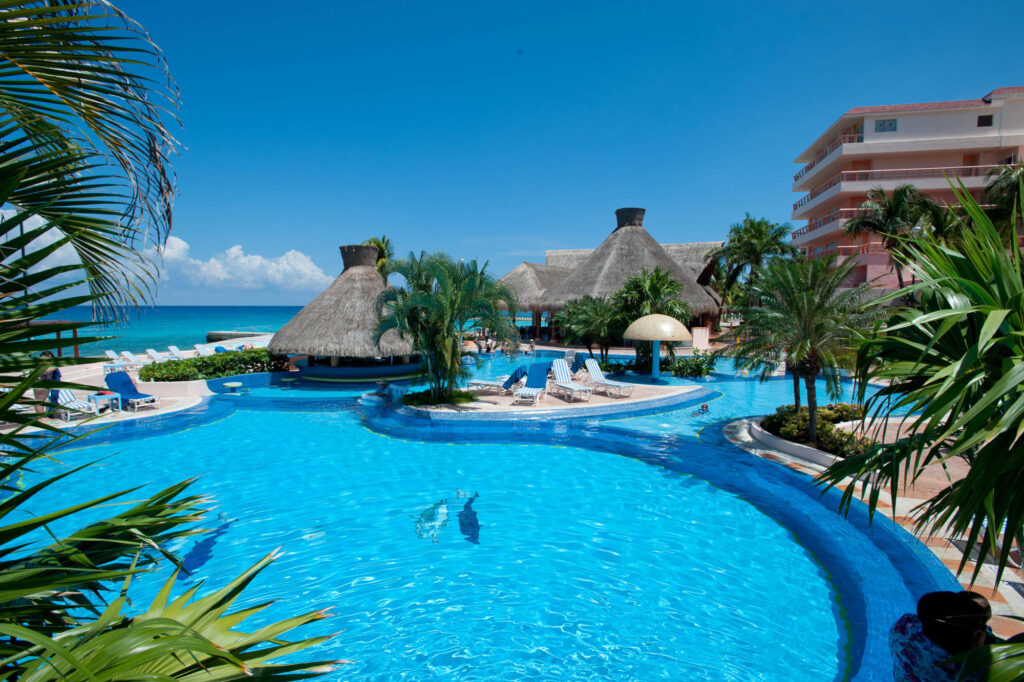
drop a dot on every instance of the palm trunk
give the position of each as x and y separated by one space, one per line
796 389
812 408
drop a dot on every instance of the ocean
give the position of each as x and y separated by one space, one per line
160 326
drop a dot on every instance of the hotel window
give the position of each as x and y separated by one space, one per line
830 246
985 121
885 125
817 249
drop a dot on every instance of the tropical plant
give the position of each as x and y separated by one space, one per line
84 164
213 366
439 304
589 321
1003 191
700 364
955 367
385 252
809 319
891 217
84 94
653 292
750 245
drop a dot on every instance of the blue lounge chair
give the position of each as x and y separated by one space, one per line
608 386
536 384
564 383
121 383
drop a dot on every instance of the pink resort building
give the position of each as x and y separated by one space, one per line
887 146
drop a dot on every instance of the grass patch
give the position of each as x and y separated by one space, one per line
424 399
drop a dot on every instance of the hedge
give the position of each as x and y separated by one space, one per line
213 366
792 425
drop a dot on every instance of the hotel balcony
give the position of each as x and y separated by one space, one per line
823 159
859 182
830 222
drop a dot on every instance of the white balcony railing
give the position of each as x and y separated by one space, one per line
827 220
895 174
829 148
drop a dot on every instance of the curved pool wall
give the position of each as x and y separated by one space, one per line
879 570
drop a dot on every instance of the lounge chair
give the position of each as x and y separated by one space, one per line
157 356
569 356
121 383
176 353
536 384
564 383
70 406
134 361
606 386
487 384
203 351
16 406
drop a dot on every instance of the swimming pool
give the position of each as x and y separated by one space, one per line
578 549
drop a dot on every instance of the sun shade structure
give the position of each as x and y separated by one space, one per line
531 280
340 322
627 251
657 328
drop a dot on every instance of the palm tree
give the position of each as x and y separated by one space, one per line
653 292
749 246
591 320
1003 190
385 252
84 163
955 367
891 217
807 318
440 302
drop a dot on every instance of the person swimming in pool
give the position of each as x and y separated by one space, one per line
704 408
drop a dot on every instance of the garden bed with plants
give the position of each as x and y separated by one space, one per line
213 366
791 424
700 364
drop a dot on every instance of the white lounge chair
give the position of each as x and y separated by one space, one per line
176 353
536 384
607 386
565 384
569 356
488 384
203 351
72 407
133 361
157 356
17 407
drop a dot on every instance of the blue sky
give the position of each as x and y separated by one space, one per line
496 131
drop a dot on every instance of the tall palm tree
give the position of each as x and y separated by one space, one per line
591 320
653 292
84 162
385 252
807 318
440 302
1003 190
891 217
954 365
750 245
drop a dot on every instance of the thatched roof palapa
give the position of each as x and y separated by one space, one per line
341 321
531 280
623 254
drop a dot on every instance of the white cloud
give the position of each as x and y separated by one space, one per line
64 255
234 268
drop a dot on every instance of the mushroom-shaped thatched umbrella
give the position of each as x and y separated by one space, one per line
340 322
657 328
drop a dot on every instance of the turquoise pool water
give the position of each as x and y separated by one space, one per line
626 549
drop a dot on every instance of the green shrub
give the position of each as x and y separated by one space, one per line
213 366
423 398
616 366
792 425
698 365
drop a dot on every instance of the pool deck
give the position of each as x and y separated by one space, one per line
1007 600
503 402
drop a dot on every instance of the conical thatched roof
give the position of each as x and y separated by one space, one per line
340 322
531 280
626 251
